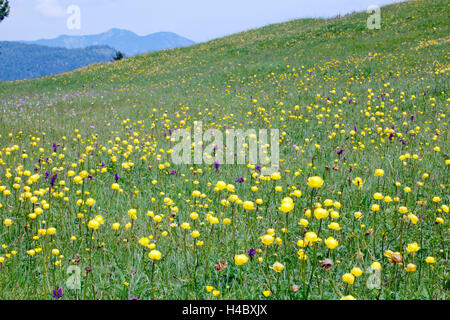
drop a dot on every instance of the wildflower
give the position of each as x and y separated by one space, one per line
267 239
154 255
58 293
320 213
278 267
430 260
410 267
240 259
413 247
331 243
348 278
357 272
248 205
315 182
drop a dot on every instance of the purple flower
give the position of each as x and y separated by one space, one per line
258 168
216 165
340 151
58 293
173 172
240 180
116 177
53 179
55 147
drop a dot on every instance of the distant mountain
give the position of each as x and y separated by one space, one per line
24 61
122 40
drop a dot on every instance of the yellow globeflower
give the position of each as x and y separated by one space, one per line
90 202
411 267
331 243
240 259
320 213
267 239
154 255
287 205
93 224
348 278
315 182
310 238
357 272
248 205
413 247
278 267
430 260
379 173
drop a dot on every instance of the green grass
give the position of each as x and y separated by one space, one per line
279 76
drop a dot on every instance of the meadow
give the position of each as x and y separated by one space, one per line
92 207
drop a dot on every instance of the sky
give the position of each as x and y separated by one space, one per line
198 20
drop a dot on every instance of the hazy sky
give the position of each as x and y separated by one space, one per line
198 20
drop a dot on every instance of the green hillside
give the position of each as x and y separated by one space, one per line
365 110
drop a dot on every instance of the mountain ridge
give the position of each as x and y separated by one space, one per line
123 40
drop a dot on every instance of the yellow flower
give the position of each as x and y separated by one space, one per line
379 173
331 243
348 278
357 272
154 255
334 226
116 226
266 293
90 202
413 218
267 239
248 205
278 267
240 259
349 297
195 234
216 293
320 213
7 222
430 260
209 288
358 215
413 247
275 176
310 238
287 205
186 226
303 222
403 210
315 182
93 224
411 267
144 241
376 266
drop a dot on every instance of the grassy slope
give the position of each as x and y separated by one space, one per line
282 65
